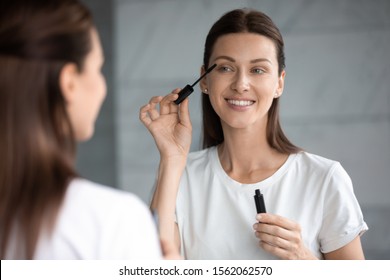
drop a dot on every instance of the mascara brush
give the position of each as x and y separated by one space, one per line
188 89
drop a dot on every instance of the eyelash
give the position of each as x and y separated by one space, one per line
225 69
262 71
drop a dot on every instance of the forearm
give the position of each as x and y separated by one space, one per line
164 198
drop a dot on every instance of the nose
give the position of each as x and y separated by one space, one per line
240 83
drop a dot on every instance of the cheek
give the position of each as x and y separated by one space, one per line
217 102
217 91
102 86
97 88
266 88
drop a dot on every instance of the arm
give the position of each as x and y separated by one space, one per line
164 200
171 129
343 214
352 251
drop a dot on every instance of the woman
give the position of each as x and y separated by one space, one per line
51 90
208 206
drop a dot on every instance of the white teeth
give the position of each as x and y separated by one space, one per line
240 102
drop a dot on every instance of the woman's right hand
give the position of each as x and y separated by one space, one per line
169 124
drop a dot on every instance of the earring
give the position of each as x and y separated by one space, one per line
205 90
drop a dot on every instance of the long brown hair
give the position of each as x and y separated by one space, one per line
37 145
242 21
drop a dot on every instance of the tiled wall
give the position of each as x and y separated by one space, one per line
336 101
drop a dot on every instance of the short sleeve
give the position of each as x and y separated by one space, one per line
342 216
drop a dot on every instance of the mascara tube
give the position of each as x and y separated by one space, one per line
259 201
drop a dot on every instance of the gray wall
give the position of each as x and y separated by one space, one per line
336 101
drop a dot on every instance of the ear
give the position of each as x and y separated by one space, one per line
67 81
279 89
203 83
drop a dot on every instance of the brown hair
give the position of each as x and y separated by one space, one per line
37 145
241 21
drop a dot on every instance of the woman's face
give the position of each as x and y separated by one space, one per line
245 82
89 93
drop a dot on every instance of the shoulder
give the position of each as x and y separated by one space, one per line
98 222
315 161
327 171
201 155
317 164
332 172
96 205
92 194
199 160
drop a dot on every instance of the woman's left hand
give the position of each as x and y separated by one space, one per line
281 237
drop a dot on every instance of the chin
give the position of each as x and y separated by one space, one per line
238 124
84 136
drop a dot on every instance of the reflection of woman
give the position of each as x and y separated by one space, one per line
312 210
51 89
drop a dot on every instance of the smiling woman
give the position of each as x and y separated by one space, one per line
205 198
246 79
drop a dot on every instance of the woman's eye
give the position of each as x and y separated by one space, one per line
258 71
225 69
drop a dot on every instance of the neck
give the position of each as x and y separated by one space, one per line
246 156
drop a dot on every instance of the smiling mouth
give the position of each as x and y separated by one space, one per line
241 103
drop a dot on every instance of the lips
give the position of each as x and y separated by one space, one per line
241 103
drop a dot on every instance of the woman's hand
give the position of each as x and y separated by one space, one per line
169 124
281 237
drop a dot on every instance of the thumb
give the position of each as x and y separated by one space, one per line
184 113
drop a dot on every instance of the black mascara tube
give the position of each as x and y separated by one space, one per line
259 201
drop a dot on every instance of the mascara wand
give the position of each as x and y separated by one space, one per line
187 90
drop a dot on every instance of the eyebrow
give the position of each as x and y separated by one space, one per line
233 60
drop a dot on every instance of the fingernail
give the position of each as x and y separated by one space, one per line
259 217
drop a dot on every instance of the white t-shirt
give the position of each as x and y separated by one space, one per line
215 213
97 222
